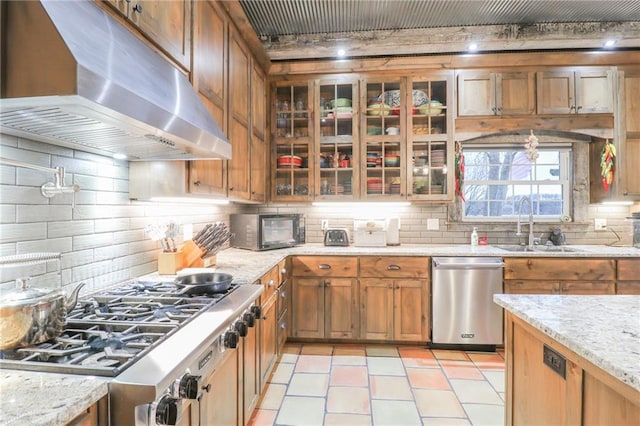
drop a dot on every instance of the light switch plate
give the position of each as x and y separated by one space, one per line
600 224
433 224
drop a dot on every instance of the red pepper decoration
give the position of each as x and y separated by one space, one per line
607 164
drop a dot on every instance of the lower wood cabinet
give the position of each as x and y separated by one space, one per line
268 338
559 276
251 385
221 407
394 295
394 310
96 415
325 308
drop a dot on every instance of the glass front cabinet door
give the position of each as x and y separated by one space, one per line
383 150
292 131
336 135
429 139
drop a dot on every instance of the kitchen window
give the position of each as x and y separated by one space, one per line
497 178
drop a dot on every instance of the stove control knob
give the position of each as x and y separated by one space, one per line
188 387
249 318
167 411
257 311
242 328
231 339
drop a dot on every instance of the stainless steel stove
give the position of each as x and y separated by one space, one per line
151 338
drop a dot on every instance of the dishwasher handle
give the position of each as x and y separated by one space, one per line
453 266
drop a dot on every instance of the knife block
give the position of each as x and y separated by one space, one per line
170 263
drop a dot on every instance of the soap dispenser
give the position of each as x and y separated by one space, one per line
474 237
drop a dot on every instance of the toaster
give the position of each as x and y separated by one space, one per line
336 237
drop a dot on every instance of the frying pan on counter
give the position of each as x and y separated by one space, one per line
204 283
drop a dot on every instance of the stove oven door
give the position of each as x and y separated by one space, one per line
219 401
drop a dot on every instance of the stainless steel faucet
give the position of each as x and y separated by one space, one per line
532 239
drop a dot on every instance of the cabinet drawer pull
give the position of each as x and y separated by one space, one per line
393 268
324 266
137 8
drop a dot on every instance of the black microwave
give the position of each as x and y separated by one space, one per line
266 231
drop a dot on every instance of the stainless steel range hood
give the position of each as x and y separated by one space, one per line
76 77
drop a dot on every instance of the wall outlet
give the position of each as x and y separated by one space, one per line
433 224
324 224
600 224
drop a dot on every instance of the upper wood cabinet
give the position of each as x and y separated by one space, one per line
586 90
166 23
258 154
292 160
482 92
239 131
209 177
630 137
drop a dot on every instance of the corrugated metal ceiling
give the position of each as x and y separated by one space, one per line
272 18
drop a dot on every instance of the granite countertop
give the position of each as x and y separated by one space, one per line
29 398
74 393
604 330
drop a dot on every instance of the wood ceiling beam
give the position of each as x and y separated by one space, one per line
515 37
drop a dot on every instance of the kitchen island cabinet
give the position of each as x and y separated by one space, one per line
569 361
220 393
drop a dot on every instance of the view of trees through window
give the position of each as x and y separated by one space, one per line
496 179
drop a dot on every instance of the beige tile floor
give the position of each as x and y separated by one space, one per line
316 384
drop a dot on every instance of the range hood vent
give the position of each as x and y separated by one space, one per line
96 87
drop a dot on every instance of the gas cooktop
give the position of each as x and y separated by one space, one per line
109 331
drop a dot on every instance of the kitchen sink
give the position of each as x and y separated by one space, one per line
539 249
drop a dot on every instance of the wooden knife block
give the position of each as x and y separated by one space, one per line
192 257
170 263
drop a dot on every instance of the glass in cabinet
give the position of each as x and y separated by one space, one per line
292 180
337 131
383 152
427 140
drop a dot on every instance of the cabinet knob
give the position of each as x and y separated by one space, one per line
579 107
283 271
197 183
231 188
137 8
271 283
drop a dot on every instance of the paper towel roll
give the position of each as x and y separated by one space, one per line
393 231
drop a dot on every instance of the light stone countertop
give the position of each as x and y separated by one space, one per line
604 330
54 399
30 398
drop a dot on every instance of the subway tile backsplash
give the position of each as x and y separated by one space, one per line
102 239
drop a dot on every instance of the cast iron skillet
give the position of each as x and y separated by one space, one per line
204 283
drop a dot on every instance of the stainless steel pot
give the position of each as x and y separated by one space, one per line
29 316
203 283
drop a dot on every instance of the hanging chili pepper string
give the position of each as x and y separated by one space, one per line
459 164
607 164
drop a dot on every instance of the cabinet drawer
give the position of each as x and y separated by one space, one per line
559 269
628 287
628 269
394 267
270 282
283 297
325 266
588 287
531 287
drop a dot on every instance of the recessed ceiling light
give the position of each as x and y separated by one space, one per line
341 53
610 43
473 47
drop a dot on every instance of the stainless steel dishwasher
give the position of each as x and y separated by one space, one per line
463 312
